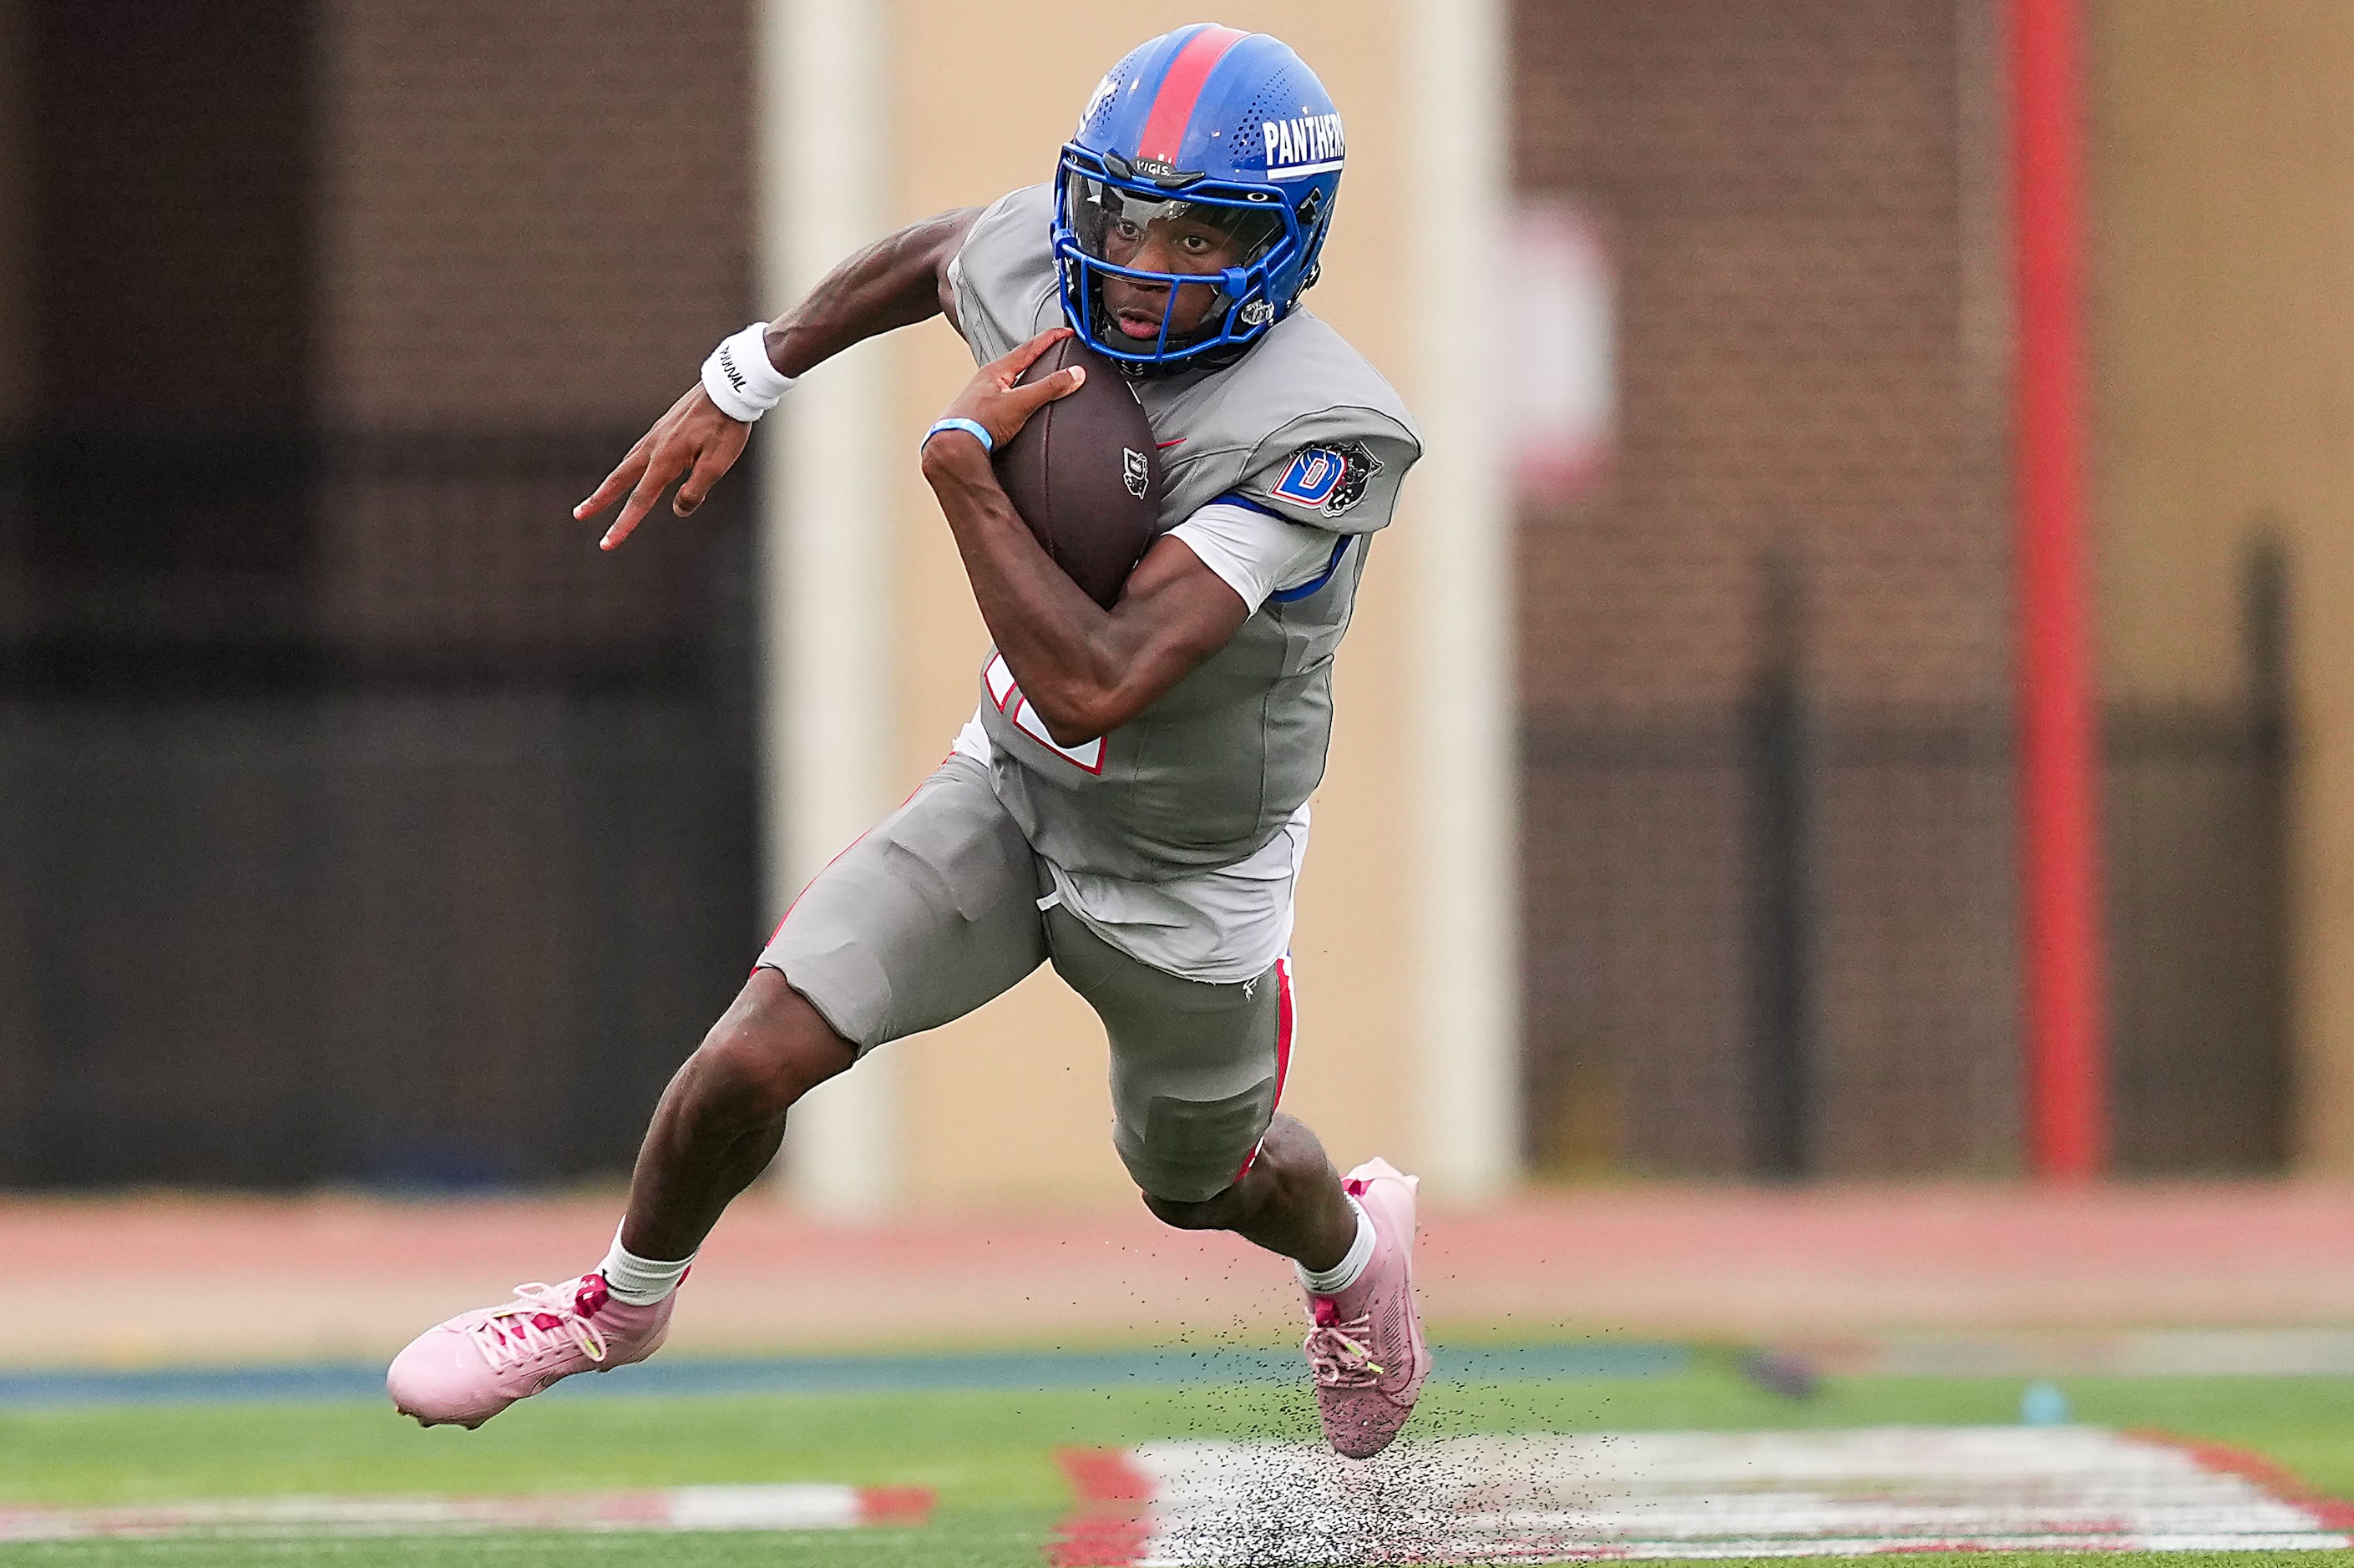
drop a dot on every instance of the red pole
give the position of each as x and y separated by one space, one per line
2058 794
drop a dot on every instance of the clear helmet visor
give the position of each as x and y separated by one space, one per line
1163 235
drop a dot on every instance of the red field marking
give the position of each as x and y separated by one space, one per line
1109 1527
895 1505
2224 1459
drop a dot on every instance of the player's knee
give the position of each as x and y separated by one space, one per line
1217 1213
769 1050
1291 1156
1188 1155
744 1076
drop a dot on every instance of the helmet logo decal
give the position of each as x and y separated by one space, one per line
1311 145
1258 313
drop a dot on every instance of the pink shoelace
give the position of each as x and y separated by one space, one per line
1336 1349
541 1319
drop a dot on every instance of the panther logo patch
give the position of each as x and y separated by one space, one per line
1328 479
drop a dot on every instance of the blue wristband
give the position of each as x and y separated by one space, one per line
973 428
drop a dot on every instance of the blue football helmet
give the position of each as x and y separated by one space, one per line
1206 146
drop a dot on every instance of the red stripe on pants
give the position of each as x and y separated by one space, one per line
1283 1018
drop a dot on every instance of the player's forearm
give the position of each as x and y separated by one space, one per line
897 282
1071 656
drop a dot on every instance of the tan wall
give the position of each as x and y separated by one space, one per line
1010 1104
2224 286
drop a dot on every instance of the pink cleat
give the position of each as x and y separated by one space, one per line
473 1366
1366 1348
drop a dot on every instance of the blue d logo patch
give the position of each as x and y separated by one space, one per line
1314 474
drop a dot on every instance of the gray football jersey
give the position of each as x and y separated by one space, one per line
1300 427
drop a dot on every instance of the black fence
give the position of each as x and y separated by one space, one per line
1777 937
358 820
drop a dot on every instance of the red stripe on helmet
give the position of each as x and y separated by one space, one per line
1181 88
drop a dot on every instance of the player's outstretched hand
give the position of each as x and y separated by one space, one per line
991 401
694 438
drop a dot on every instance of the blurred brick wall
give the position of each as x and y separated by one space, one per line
1806 206
535 220
15 298
1797 206
16 236
372 825
530 212
172 215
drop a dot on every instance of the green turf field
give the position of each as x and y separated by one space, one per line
990 1457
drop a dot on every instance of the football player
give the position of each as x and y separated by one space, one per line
1129 801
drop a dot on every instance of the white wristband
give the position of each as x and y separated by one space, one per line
741 379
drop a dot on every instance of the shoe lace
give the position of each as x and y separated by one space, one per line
541 1317
1336 1350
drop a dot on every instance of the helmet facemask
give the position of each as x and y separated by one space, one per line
1169 278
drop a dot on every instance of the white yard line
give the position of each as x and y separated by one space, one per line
1683 1494
802 1506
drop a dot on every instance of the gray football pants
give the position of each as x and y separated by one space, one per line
936 911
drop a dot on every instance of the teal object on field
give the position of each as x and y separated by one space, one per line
2043 1405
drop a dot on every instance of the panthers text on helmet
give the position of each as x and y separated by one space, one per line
1306 145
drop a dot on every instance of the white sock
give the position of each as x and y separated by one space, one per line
1350 1268
639 1281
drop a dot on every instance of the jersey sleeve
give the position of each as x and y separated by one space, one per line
1256 553
1338 471
1004 274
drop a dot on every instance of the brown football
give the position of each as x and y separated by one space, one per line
1085 475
